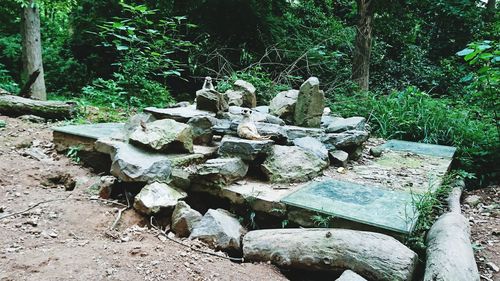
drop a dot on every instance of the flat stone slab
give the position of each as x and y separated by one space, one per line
179 114
93 131
420 148
371 205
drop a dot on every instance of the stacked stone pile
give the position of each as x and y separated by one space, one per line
196 147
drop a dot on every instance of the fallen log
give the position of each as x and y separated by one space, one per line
449 251
372 255
16 106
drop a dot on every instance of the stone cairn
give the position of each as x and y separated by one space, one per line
196 147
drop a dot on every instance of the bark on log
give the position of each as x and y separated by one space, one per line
17 106
32 49
449 250
372 255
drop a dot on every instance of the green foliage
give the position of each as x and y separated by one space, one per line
72 153
415 116
429 206
265 87
483 81
6 81
321 220
147 50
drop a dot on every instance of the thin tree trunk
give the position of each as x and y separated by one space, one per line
32 49
491 6
363 44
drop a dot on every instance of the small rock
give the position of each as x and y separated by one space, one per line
243 148
210 100
493 266
164 135
350 275
220 172
248 93
310 104
283 105
339 158
339 124
131 164
348 139
473 200
287 164
376 151
157 196
220 229
202 129
32 118
313 145
184 218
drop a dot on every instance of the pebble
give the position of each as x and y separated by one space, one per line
493 266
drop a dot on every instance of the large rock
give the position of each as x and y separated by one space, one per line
349 139
184 218
157 196
292 164
372 255
131 164
220 172
234 98
136 121
350 275
295 132
220 229
210 100
310 104
179 114
202 128
283 105
248 93
338 124
244 149
164 135
313 145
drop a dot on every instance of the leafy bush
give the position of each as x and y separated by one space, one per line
149 52
265 87
415 116
6 81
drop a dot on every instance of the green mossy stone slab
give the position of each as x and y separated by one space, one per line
93 131
420 148
370 205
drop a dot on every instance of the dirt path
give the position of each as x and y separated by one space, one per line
485 229
70 239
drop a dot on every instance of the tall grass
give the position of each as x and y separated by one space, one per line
415 116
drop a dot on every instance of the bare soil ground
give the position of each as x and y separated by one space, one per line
69 239
485 230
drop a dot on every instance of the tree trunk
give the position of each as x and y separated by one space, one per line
372 255
449 250
491 6
363 44
17 106
32 49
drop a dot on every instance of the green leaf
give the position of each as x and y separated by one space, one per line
121 47
470 56
465 52
483 69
